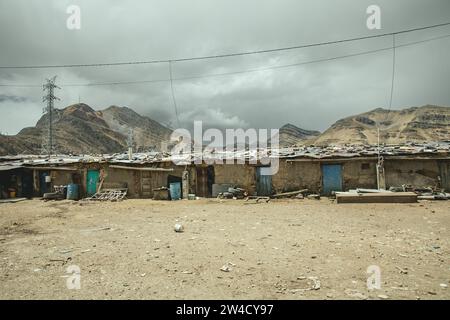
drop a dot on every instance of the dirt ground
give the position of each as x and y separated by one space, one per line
285 249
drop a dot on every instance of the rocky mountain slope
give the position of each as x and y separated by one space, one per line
80 129
147 133
417 124
290 135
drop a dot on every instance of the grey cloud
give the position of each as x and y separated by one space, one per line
312 96
12 98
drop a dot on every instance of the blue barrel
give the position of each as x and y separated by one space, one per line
72 192
175 190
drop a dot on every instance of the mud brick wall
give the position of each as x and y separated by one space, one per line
359 174
419 173
294 176
242 175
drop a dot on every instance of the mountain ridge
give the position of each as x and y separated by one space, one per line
79 129
414 124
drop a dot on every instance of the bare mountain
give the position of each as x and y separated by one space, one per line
80 129
147 133
416 124
291 135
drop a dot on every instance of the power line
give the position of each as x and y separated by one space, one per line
393 71
173 93
236 72
228 54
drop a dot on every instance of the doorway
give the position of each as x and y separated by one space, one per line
205 180
263 181
331 178
91 181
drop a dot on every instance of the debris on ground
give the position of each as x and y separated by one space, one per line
233 193
161 193
423 193
227 267
291 194
179 227
108 195
258 199
313 283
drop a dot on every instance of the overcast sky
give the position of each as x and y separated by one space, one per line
313 96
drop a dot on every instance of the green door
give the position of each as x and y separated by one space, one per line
91 183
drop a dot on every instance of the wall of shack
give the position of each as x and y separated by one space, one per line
241 175
415 172
296 175
359 174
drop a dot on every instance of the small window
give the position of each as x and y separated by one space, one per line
365 166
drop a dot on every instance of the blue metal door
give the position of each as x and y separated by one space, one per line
263 181
331 178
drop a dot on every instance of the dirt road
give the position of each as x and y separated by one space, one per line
286 249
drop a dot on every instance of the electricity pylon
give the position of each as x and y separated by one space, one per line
47 144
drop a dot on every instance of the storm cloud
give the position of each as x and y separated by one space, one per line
311 96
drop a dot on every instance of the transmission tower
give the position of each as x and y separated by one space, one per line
49 87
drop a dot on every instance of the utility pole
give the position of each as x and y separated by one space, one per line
49 87
381 182
130 143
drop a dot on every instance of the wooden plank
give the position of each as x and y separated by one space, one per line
288 194
141 168
391 197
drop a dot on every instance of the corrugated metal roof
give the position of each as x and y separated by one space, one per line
312 152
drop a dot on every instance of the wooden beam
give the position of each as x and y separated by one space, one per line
53 168
387 197
141 168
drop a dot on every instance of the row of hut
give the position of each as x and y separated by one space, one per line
321 170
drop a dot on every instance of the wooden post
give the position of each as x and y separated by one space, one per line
185 184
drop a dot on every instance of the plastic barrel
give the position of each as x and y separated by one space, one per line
175 190
72 192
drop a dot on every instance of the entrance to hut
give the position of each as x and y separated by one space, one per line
175 191
444 170
91 182
44 182
263 181
331 178
27 184
205 180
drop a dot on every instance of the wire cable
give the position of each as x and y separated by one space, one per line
234 72
228 54
173 93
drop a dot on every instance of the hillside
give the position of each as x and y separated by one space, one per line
80 129
291 135
417 124
147 133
